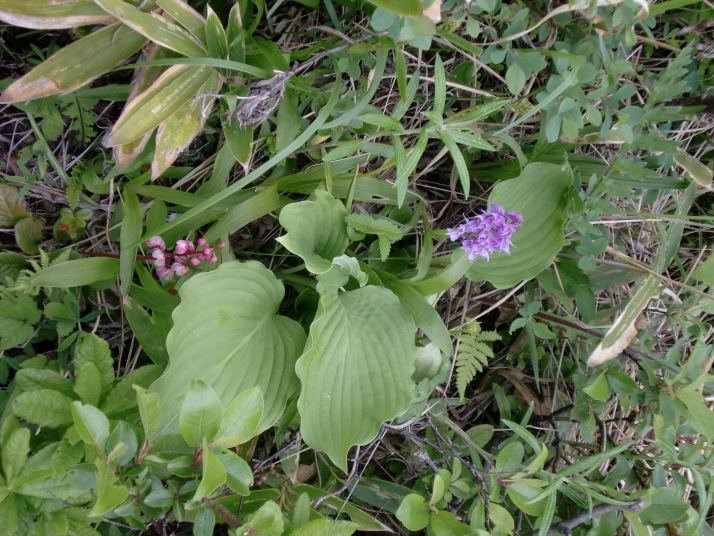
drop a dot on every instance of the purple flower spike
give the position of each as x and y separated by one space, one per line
487 233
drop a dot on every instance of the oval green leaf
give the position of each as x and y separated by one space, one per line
356 371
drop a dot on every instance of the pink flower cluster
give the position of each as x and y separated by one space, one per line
487 233
185 254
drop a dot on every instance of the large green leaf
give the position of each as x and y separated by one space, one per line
539 194
317 231
356 370
77 64
226 334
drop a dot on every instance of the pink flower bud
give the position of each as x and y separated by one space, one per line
221 244
179 269
184 246
165 272
159 258
213 258
195 261
202 242
156 242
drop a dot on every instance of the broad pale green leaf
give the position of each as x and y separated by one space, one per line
413 512
109 493
76 273
200 416
45 15
239 475
539 194
382 121
77 64
316 230
14 452
214 474
154 27
241 418
705 271
356 370
179 130
43 407
175 87
226 334
400 7
92 425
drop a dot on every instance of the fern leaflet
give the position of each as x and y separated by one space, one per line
473 354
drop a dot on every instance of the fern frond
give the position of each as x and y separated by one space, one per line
473 354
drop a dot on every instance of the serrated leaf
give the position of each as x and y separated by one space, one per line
316 230
18 314
77 64
93 349
88 384
356 369
14 452
539 194
12 209
242 342
200 416
44 407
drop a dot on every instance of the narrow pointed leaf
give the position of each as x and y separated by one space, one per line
214 474
400 7
77 64
154 27
45 15
458 158
179 130
174 88
186 16
76 273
